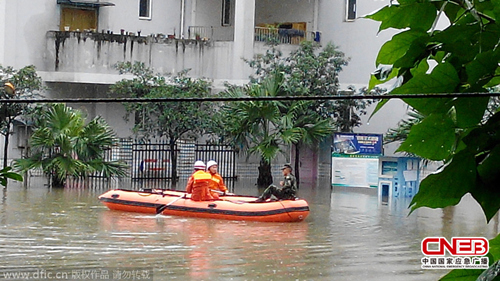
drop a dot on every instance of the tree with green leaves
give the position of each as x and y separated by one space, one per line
265 128
313 71
17 84
299 129
461 57
172 120
253 125
63 146
400 133
6 174
307 71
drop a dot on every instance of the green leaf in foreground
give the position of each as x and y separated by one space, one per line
462 275
433 138
449 186
470 111
442 79
495 247
6 174
417 15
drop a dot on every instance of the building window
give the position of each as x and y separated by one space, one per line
145 9
226 12
350 10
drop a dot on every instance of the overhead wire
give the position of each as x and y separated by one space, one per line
247 98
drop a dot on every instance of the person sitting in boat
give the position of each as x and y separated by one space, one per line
198 183
288 187
217 185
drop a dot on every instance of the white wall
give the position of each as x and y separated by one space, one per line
358 39
165 17
208 12
2 31
25 25
278 11
83 57
113 113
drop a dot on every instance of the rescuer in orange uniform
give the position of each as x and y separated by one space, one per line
216 183
198 183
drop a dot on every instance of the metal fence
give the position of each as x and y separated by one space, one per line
152 161
212 33
285 36
224 155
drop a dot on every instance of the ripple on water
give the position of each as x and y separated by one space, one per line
346 237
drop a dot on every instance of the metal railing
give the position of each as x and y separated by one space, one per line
217 33
285 36
262 34
224 155
200 32
151 161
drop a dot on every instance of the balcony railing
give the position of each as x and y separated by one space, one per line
262 34
285 36
220 33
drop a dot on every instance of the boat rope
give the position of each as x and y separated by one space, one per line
284 208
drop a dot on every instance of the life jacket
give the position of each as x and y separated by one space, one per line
198 186
217 183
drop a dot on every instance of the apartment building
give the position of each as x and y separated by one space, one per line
75 43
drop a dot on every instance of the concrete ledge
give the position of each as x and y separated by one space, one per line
80 77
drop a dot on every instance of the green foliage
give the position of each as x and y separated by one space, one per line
63 145
313 71
254 124
170 120
173 120
464 57
6 174
27 84
308 71
264 128
400 133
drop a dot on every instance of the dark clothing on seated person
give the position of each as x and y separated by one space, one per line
287 191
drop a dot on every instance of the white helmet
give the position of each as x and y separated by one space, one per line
199 165
211 163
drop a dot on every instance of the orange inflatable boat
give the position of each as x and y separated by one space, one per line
230 207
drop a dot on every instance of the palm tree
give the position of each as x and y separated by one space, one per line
400 133
254 125
64 146
264 128
300 126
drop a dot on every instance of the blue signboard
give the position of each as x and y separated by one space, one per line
352 144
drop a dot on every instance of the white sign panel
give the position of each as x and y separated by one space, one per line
356 172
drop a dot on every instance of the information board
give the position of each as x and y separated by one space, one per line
355 171
351 143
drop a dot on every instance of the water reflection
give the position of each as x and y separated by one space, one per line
347 236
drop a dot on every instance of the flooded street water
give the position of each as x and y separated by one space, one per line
347 236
